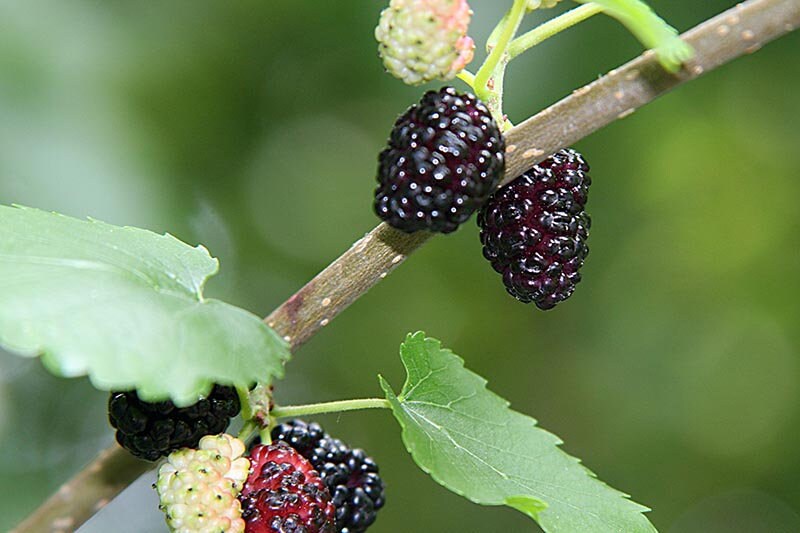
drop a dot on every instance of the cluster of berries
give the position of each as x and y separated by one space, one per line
444 159
446 155
305 481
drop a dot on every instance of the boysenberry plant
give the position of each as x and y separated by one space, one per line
125 306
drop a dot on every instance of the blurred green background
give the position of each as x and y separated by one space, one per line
253 128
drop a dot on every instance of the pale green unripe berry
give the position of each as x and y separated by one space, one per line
198 489
425 40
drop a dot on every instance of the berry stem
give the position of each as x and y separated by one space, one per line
265 434
551 28
491 42
650 29
468 78
495 60
248 430
244 401
292 411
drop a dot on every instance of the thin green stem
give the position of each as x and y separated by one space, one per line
491 42
244 401
552 27
509 29
248 430
495 102
290 411
467 77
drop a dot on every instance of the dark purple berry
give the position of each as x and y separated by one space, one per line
445 156
153 430
353 479
534 230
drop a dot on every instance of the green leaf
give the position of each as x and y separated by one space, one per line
125 306
651 30
468 439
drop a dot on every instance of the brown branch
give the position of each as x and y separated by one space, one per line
331 291
741 30
738 31
86 493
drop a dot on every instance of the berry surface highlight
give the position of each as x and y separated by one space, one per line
444 158
534 230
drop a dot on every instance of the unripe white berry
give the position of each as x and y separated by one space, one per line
198 489
425 40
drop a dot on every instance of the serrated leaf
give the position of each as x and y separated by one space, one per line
125 306
469 440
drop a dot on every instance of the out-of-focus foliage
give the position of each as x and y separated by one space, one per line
253 128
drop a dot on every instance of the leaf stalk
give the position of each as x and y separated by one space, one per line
291 411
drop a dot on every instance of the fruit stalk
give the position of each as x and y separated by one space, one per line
740 30
489 79
292 411
551 28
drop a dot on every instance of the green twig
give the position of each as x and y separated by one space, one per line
552 27
265 435
290 411
651 30
244 401
509 29
491 42
248 430
468 78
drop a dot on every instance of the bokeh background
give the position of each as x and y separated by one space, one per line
253 127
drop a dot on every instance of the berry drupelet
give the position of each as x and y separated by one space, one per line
352 477
534 230
153 430
284 494
445 156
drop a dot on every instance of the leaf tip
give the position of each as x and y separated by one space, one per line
416 336
387 388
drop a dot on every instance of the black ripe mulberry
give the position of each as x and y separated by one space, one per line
534 230
445 156
352 477
153 430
